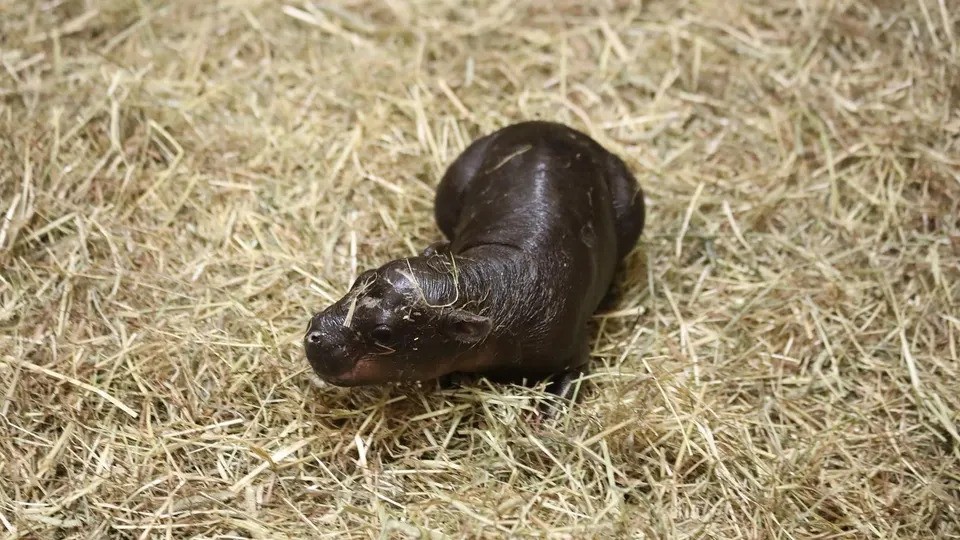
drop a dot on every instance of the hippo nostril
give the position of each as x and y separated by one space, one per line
315 337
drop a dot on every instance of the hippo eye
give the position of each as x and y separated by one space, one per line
381 334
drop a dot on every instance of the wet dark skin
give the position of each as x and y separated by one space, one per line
537 218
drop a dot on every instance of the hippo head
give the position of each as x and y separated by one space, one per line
397 323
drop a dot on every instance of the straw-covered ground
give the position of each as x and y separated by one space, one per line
183 184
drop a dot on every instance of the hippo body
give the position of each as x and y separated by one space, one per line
537 218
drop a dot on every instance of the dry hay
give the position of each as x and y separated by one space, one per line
183 184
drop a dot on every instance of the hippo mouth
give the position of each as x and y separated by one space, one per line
365 371
371 370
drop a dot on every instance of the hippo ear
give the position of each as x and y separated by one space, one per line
466 327
365 276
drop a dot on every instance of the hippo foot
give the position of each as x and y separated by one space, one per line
563 390
454 380
565 386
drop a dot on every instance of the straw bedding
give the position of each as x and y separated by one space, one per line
183 184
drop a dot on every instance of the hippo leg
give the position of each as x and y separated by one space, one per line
628 204
611 298
448 200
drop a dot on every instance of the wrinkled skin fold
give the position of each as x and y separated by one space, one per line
537 217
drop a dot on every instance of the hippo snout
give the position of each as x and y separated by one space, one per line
327 353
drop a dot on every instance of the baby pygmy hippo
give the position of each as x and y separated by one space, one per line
538 217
